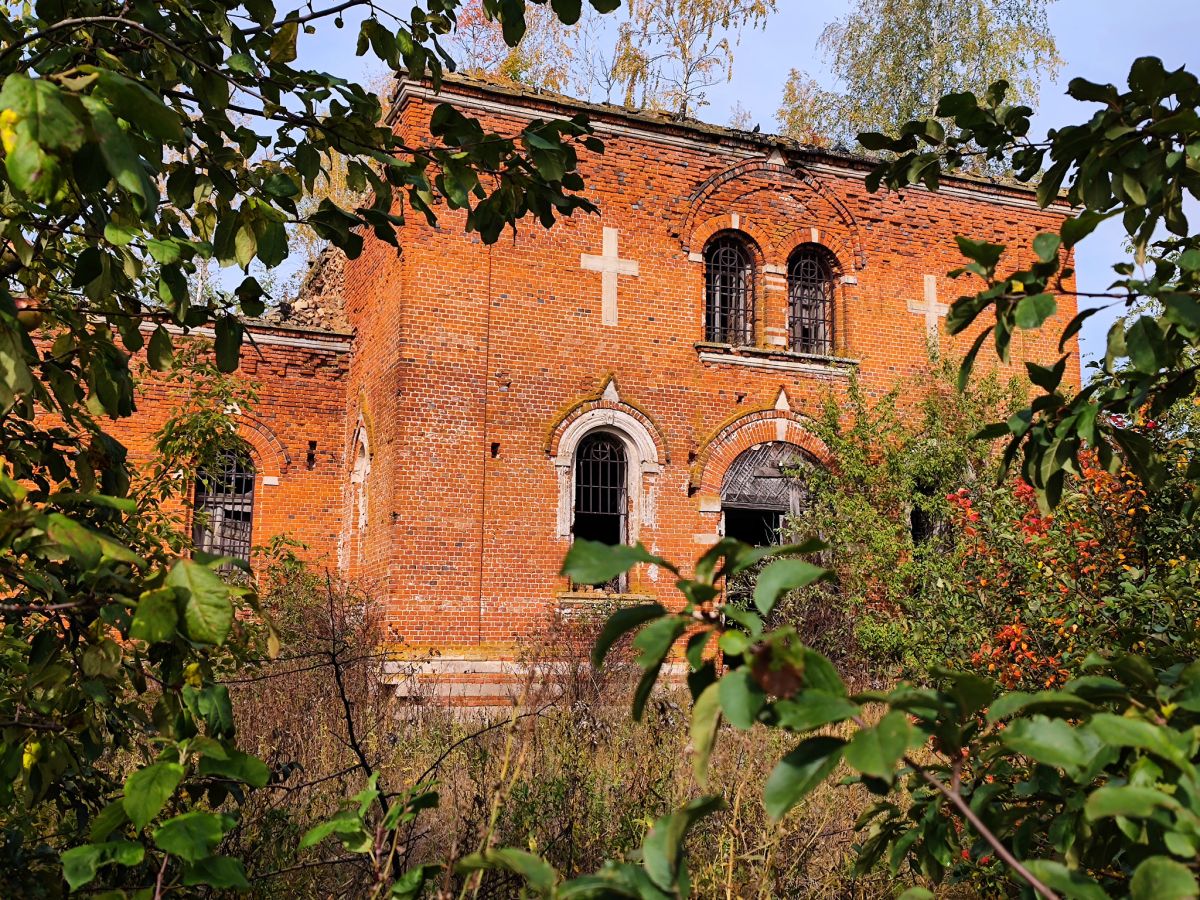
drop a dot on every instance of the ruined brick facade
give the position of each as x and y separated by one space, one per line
447 433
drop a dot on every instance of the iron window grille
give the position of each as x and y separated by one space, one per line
728 292
810 301
602 494
224 506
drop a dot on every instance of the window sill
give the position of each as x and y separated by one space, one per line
598 598
590 604
780 360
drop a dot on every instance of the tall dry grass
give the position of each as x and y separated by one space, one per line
567 774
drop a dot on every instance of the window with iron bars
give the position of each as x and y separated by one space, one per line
810 301
601 494
728 292
224 506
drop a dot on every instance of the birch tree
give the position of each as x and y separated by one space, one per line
895 59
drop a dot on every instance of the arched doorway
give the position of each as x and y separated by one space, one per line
760 489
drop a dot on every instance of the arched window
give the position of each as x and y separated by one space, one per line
728 292
358 483
224 505
810 300
762 486
601 489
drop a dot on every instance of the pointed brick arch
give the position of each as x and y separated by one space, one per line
763 426
644 446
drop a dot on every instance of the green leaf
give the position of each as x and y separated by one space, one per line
654 641
621 623
1043 701
160 351
165 252
875 750
782 576
238 766
917 893
706 719
1162 878
283 44
120 158
812 708
1046 246
41 113
228 343
193 835
148 789
798 773
538 873
1071 884
131 101
1032 311
1075 230
1122 731
591 562
411 884
80 864
652 645
662 851
982 252
1127 800
245 245
15 377
109 820
207 612
345 825
741 698
156 617
1049 741
222 872
819 673
734 643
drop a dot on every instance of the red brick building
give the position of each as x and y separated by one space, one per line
637 375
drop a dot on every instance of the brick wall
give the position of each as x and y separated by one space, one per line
295 433
476 368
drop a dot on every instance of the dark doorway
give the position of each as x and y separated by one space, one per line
758 527
760 489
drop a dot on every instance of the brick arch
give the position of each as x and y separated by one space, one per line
270 456
843 254
587 407
742 434
689 232
743 226
643 444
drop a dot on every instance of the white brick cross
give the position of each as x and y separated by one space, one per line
930 308
611 267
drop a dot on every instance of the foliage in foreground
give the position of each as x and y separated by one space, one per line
140 143
1082 791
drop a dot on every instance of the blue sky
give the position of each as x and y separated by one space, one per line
1098 39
